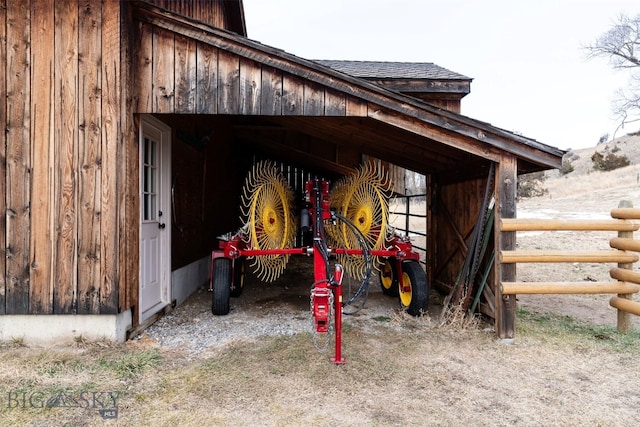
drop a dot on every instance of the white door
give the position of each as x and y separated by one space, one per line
155 223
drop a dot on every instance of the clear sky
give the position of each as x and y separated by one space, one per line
529 69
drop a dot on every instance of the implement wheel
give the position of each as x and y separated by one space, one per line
238 277
414 290
221 286
389 277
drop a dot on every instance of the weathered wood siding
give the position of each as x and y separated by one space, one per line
175 74
453 215
59 156
3 156
210 12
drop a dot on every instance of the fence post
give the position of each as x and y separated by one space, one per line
624 318
506 183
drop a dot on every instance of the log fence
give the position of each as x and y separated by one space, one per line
624 251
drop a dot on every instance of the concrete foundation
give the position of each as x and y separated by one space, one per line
63 329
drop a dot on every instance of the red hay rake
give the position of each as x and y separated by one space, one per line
350 226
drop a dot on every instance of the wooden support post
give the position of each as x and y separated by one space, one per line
624 319
506 184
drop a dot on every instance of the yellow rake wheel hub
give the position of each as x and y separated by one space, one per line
386 276
267 204
367 208
362 198
405 290
364 219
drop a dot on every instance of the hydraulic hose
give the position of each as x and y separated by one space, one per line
366 253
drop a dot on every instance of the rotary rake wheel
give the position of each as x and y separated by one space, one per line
363 199
267 202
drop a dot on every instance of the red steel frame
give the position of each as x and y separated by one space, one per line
317 195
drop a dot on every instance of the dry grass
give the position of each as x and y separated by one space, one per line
405 371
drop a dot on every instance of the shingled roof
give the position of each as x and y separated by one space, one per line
424 80
393 70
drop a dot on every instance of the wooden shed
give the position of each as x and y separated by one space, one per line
129 128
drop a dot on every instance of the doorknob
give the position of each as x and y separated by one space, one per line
161 225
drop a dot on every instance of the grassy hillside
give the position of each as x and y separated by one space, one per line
581 160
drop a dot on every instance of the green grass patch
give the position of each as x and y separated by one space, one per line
131 364
552 327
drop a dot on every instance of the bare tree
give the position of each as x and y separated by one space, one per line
621 45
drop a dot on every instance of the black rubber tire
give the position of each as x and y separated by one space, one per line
416 301
389 277
239 266
221 286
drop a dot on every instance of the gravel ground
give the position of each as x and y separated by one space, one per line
263 309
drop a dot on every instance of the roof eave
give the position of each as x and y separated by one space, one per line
529 149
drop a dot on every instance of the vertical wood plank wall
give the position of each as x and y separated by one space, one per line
191 77
59 237
3 153
212 13
453 219
18 157
110 140
42 232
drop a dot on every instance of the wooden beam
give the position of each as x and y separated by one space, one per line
439 134
286 152
506 189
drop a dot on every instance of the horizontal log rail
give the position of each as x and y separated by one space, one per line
512 257
625 275
527 224
617 287
625 213
624 304
624 252
625 244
